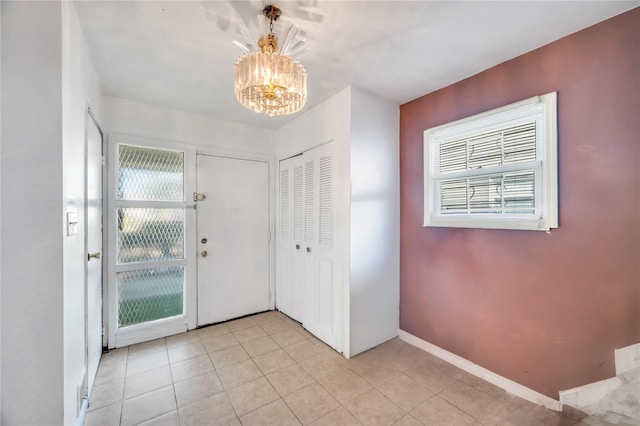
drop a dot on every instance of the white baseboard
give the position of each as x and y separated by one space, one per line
627 358
491 377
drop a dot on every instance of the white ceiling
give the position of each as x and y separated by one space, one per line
178 54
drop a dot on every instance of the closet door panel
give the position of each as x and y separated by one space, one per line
284 288
320 318
290 235
297 251
307 268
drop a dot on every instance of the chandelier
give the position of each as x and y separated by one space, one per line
268 78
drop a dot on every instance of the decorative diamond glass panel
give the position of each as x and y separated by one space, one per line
149 294
150 234
147 174
146 235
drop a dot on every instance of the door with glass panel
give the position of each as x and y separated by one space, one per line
149 217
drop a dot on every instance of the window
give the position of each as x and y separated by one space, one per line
150 234
496 170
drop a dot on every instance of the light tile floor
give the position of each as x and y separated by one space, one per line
267 370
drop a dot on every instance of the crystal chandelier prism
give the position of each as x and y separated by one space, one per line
268 78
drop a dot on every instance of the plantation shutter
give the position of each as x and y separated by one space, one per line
479 183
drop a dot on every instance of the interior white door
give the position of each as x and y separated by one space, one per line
289 294
93 235
233 238
319 253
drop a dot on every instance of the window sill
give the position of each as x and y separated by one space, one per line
488 223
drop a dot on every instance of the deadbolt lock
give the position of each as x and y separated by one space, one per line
203 241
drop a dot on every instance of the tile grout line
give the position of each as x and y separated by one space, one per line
126 367
299 361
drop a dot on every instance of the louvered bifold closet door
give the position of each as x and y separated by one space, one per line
325 222
319 314
290 238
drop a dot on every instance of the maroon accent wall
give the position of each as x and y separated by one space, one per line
544 310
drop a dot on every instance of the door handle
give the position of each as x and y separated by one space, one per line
308 249
204 253
297 246
95 255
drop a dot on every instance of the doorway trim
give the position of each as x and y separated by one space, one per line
90 119
271 161
189 322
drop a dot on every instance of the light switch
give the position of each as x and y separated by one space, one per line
72 223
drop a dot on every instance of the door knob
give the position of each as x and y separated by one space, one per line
204 253
308 249
297 246
203 241
95 255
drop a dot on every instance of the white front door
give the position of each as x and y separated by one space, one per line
93 235
233 238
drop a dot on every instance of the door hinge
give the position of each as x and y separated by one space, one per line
199 197
103 161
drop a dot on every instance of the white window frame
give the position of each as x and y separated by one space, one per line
543 110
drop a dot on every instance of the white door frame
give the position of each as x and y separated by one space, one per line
90 119
189 322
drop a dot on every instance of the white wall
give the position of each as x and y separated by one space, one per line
32 219
329 121
375 221
325 122
137 119
47 80
365 132
0 218
80 88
